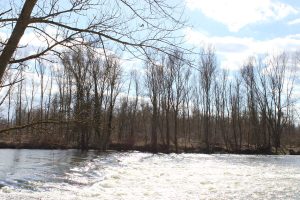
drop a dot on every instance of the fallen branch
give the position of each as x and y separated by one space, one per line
33 124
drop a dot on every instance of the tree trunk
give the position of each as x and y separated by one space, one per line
16 35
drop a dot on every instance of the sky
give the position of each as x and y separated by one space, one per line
239 29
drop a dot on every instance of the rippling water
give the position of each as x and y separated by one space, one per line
71 174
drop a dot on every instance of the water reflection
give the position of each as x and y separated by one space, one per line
19 167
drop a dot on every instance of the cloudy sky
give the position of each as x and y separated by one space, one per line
237 29
241 28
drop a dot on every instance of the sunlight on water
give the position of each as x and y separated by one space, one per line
72 175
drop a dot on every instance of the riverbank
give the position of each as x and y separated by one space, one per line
214 150
161 149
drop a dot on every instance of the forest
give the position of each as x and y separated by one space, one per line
75 90
166 105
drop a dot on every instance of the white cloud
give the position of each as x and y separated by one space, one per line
36 40
294 22
234 51
236 14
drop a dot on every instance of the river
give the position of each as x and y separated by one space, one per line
72 174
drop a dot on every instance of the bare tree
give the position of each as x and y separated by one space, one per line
131 25
21 24
134 107
249 78
168 91
278 73
180 74
221 103
114 86
77 65
153 73
235 101
207 69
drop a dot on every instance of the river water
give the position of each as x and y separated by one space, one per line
71 174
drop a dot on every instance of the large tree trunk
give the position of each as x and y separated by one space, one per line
16 35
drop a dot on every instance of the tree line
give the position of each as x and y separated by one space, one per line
167 104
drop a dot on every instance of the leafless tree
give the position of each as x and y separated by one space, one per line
207 69
221 103
134 26
236 112
114 86
77 65
278 74
180 73
153 73
249 78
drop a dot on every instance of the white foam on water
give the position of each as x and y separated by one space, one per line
184 176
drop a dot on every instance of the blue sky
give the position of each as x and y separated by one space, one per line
242 28
237 29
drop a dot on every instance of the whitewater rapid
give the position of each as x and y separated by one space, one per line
134 175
